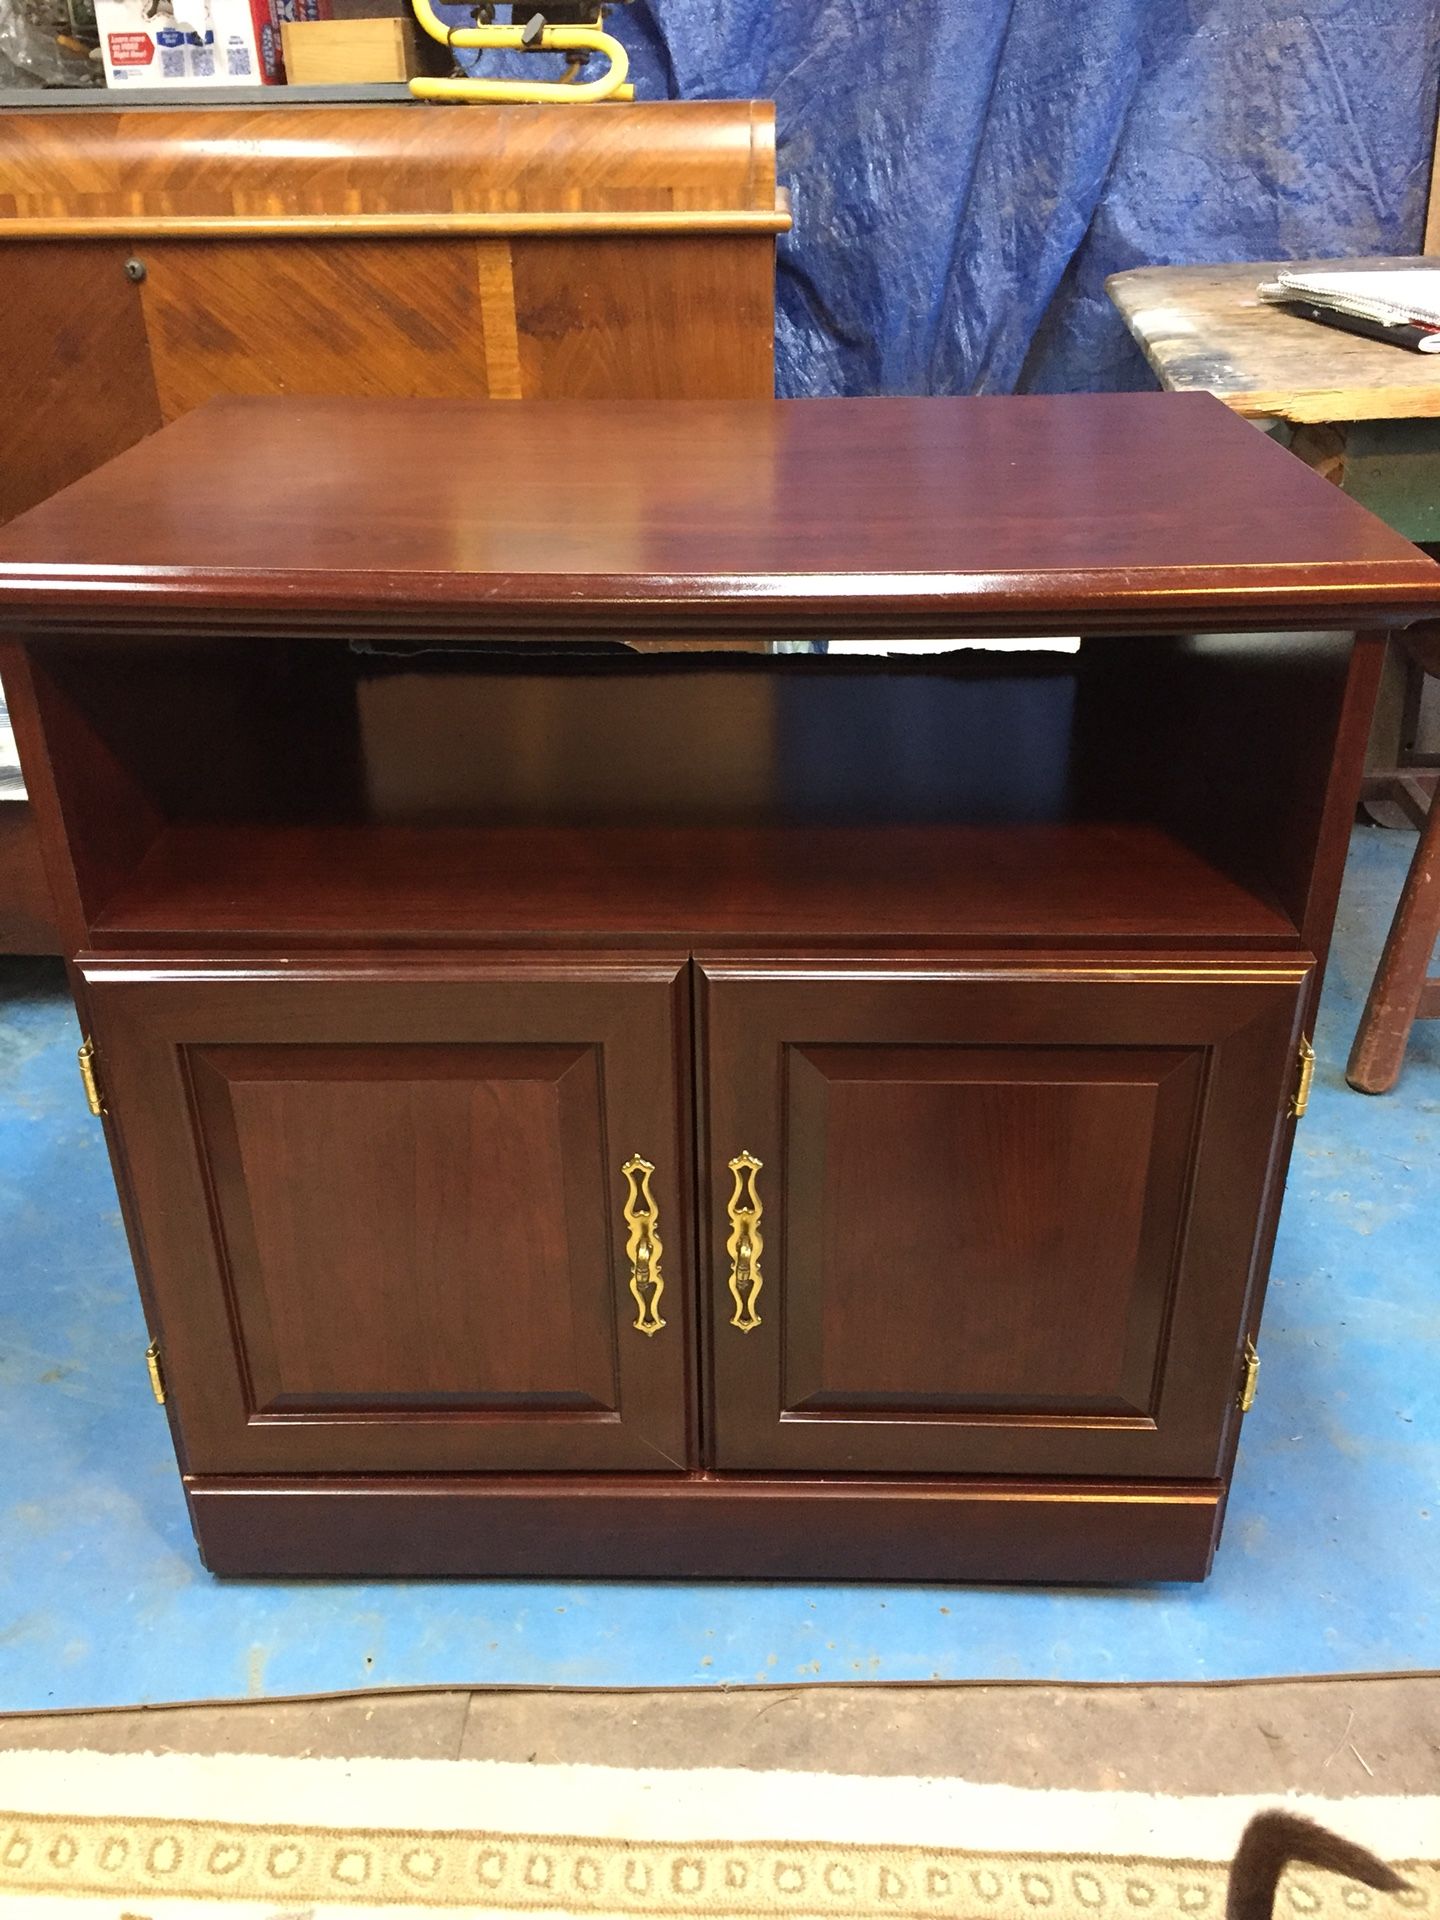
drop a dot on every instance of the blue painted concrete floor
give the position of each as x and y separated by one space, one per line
1329 1562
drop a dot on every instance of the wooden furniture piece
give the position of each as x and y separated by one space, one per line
1403 990
153 257
359 49
615 1113
1205 329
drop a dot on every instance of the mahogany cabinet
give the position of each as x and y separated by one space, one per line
592 1095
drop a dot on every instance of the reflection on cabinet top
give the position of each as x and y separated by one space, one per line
948 516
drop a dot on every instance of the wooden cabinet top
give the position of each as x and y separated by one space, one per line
275 169
1098 512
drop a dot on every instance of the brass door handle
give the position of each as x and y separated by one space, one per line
644 1247
746 1243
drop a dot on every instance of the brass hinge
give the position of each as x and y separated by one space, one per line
89 1078
1249 1377
156 1372
1301 1099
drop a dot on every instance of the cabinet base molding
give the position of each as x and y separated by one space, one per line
706 1526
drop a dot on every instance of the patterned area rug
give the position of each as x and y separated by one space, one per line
147 1837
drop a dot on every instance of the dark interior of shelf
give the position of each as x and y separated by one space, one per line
1138 792
1063 882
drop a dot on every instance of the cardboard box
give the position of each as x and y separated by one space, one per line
322 53
188 43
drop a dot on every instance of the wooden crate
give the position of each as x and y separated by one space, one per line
321 53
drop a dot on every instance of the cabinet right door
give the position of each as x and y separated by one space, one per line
986 1219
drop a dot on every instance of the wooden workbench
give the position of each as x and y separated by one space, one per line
1207 329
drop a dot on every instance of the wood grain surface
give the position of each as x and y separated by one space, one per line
381 1208
732 1527
1070 882
136 172
154 258
81 389
1008 1214
339 316
1206 329
1057 512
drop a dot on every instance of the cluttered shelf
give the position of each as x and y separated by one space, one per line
1067 883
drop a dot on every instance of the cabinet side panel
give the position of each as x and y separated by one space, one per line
93 820
43 829
1229 741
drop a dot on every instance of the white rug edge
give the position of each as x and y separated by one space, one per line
665 1804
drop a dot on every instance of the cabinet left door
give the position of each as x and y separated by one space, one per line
384 1212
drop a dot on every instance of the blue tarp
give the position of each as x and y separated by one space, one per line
965 175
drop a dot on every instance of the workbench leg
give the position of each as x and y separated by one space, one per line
1400 980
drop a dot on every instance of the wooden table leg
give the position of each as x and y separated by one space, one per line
1400 991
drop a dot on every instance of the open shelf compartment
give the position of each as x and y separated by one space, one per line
322 793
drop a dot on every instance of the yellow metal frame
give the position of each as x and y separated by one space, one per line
611 85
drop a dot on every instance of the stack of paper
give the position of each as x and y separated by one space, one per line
1404 301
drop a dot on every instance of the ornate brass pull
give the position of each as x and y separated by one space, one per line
745 1244
644 1247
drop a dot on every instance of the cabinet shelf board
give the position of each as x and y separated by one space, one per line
1082 882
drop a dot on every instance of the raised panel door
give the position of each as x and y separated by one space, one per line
1007 1217
382 1210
